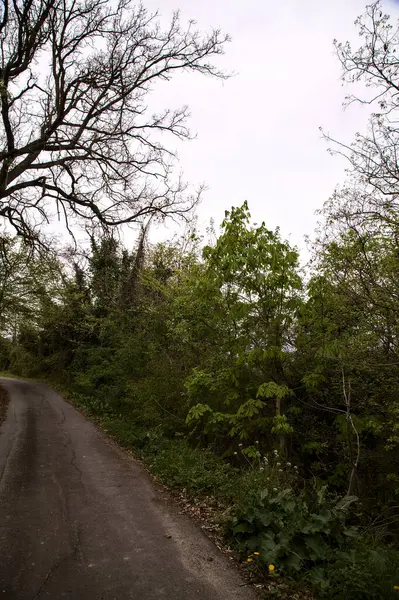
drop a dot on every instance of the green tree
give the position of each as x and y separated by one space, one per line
247 300
347 357
25 279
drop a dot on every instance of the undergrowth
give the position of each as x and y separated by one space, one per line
283 531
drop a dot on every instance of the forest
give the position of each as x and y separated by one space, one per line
256 383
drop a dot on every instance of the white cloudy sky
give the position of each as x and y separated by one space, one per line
258 133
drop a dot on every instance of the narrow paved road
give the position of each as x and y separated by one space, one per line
79 518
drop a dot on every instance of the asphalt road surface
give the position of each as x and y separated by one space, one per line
80 519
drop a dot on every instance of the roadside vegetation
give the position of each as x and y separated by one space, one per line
260 388
269 396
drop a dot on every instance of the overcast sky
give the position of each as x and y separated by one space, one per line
258 133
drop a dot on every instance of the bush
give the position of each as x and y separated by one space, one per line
128 434
290 531
363 573
196 470
301 534
6 348
22 362
261 472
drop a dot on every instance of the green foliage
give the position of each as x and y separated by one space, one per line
272 390
229 381
231 378
281 425
291 531
270 472
192 469
27 281
365 572
249 292
6 349
174 461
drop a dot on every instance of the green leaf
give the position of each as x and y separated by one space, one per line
293 562
241 528
272 390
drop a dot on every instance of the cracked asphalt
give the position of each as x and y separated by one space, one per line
80 519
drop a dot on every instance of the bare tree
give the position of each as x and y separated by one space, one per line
371 196
76 137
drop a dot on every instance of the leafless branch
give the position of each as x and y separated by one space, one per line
76 132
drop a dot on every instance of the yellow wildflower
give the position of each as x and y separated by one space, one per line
271 568
256 553
249 559
396 588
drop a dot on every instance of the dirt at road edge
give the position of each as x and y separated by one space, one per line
4 399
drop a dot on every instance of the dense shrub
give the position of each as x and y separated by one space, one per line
290 530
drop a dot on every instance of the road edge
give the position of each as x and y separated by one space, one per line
4 401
